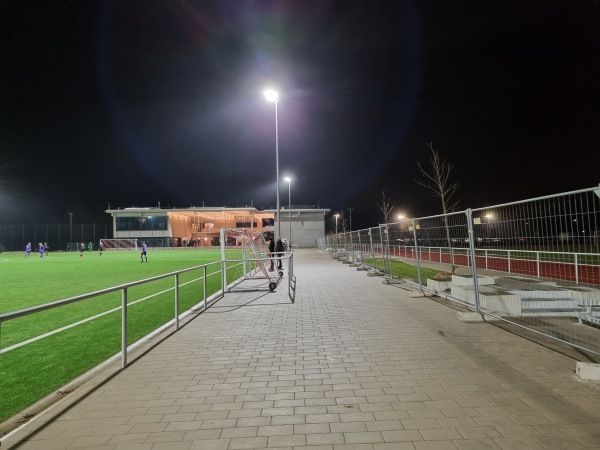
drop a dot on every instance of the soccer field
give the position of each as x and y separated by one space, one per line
29 282
78 336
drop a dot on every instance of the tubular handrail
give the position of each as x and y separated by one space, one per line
46 306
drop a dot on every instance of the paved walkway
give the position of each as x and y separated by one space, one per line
353 364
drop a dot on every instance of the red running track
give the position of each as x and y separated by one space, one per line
582 273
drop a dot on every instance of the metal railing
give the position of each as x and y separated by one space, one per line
229 273
123 289
533 263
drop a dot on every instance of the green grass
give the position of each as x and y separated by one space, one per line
32 371
403 270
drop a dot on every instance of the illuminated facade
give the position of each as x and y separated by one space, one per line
201 227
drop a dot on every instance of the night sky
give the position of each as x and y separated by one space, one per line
132 103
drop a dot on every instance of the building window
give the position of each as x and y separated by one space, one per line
141 223
245 224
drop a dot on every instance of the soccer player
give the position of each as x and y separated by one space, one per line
27 250
46 247
41 249
143 254
81 249
101 248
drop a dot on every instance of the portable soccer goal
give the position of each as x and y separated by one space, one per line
119 244
249 264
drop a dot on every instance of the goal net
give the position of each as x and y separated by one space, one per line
249 258
119 244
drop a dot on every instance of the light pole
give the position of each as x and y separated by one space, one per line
272 96
336 219
289 180
70 230
350 209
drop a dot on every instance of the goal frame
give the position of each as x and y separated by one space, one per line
120 244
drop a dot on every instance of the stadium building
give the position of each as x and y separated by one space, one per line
201 226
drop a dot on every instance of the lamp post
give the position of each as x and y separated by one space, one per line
70 230
336 219
289 180
272 96
350 209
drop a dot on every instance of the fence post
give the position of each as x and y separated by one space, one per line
576 269
124 328
416 243
372 248
508 256
204 285
224 275
244 268
176 301
537 257
383 249
473 257
360 249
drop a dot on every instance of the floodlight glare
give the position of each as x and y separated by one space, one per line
271 95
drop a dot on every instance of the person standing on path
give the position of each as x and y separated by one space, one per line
278 252
143 254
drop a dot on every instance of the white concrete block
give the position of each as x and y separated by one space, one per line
465 280
470 317
588 371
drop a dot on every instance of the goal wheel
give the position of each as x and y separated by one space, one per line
280 273
272 285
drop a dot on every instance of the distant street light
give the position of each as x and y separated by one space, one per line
336 226
272 97
289 180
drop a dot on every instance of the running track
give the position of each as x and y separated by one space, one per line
581 273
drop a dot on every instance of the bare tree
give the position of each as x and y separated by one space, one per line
386 207
437 180
343 223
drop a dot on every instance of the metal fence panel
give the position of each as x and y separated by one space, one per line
13 238
533 263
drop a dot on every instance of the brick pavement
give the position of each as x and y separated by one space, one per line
353 364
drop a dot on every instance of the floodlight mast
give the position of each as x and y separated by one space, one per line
272 96
289 180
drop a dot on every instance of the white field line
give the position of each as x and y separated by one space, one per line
110 311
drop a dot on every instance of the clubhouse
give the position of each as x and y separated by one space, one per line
201 226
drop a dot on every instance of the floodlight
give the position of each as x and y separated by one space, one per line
271 95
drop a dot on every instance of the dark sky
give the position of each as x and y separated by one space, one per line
138 102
